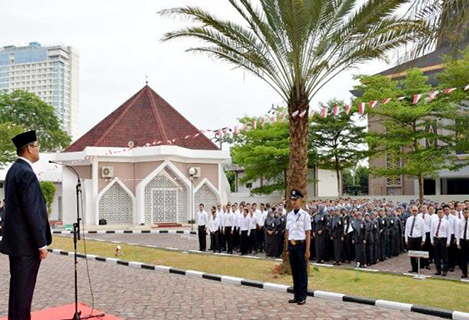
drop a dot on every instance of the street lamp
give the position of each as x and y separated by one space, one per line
192 172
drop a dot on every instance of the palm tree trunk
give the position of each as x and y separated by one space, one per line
298 164
421 191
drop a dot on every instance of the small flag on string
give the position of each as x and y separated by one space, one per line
432 95
295 113
187 137
335 111
282 117
219 134
401 98
373 104
262 122
347 109
254 124
361 108
466 88
196 135
245 127
416 98
225 130
235 130
386 100
272 120
449 90
324 112
303 113
311 114
170 142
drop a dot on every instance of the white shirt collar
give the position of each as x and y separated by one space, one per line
27 161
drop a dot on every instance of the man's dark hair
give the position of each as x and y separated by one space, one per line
22 150
201 205
445 206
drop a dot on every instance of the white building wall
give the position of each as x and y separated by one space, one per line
327 183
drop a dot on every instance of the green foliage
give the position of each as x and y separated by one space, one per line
406 133
48 190
7 149
26 110
231 176
339 141
360 185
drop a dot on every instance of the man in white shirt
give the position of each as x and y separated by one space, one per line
441 239
452 251
245 229
414 235
298 233
229 224
462 238
261 216
202 220
427 246
213 228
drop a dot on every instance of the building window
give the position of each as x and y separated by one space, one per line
393 161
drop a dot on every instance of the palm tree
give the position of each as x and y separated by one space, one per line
447 22
297 47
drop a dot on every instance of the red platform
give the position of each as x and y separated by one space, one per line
66 312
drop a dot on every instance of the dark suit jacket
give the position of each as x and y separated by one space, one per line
26 226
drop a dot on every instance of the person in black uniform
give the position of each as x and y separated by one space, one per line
359 239
376 248
369 246
2 217
383 234
298 233
26 227
337 236
319 234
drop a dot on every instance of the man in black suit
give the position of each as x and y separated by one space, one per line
26 232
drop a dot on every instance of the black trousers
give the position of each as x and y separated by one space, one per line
299 272
202 238
23 273
369 252
321 247
244 242
360 253
414 244
252 241
452 253
229 239
338 248
236 239
427 247
221 240
441 254
214 241
464 255
261 239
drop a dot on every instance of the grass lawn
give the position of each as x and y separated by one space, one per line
444 294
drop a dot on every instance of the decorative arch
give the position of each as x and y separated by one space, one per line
166 173
206 193
116 203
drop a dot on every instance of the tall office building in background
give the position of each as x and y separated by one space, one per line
52 73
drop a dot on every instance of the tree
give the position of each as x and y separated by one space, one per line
27 110
410 139
48 190
355 180
339 141
8 130
297 47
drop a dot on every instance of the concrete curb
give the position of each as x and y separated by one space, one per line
277 287
127 231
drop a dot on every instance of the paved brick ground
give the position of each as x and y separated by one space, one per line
400 264
141 294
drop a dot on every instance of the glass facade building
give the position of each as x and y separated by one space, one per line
52 73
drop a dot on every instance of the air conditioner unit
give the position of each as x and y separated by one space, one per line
198 172
107 172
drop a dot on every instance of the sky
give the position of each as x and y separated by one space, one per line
119 46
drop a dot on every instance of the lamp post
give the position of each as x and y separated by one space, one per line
192 172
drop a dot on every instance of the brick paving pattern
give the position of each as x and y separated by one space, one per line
396 265
142 294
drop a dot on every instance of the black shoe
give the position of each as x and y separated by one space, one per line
301 302
444 274
438 274
411 271
427 267
293 301
464 276
451 270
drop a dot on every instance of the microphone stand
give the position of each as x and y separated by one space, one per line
76 238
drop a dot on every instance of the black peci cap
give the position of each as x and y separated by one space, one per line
24 138
296 194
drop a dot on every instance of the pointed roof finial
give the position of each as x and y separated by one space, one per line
146 80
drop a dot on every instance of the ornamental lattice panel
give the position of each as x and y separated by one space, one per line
393 162
206 196
116 206
165 199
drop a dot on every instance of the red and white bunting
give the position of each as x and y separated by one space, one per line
219 134
386 100
254 124
282 117
401 98
466 88
432 95
295 113
262 122
245 127
225 130
196 135
303 113
361 108
373 104
311 113
235 130
449 90
324 112
272 120
347 109
416 98
335 111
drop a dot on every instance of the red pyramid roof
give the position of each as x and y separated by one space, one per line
144 118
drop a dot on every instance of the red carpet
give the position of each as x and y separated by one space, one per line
66 312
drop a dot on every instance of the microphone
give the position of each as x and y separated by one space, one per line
58 163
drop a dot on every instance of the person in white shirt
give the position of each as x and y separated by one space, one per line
261 216
462 239
236 233
427 246
202 220
253 236
298 233
229 224
452 251
245 229
213 228
414 235
441 239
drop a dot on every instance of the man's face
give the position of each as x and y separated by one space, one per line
415 210
446 210
33 151
296 203
440 214
466 213
201 208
